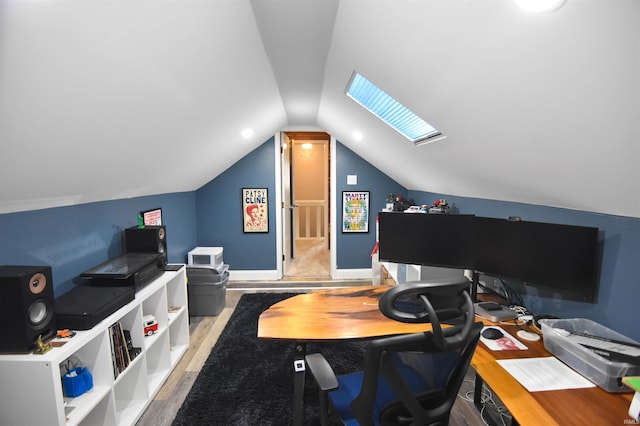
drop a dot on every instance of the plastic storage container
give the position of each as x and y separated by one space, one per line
601 371
212 256
76 382
207 288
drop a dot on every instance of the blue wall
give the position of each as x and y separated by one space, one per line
76 238
619 290
354 249
219 211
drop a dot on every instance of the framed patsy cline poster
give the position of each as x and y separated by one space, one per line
355 211
255 212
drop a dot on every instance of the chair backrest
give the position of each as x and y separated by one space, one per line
438 302
421 372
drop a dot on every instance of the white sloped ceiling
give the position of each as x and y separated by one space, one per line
103 100
107 99
537 108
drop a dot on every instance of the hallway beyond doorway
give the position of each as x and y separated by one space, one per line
311 262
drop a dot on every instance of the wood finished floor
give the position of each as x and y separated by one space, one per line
204 333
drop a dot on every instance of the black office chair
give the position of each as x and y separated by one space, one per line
407 379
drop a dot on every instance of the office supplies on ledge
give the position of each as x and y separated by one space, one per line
544 374
505 342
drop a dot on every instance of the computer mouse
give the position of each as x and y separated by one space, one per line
492 333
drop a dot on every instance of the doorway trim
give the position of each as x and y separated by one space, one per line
279 137
333 235
279 203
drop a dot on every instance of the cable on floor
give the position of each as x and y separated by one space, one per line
488 403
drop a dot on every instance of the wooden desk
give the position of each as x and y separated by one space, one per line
591 406
327 315
335 314
352 313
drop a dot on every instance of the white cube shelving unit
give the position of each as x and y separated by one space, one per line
112 401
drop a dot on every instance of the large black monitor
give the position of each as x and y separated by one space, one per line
444 240
561 258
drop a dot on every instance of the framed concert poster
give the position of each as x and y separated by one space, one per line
355 211
255 213
152 217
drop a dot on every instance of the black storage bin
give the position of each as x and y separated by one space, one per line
207 288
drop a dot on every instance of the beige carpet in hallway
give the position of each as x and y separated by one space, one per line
311 261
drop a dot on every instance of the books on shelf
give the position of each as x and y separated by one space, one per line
122 349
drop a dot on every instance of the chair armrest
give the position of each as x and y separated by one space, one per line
322 372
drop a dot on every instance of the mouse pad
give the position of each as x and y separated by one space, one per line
504 343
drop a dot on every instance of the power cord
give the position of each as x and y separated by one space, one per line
489 405
512 296
507 293
490 290
520 310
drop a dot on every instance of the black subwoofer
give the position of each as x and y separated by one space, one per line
26 307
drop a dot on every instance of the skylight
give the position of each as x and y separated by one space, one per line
390 111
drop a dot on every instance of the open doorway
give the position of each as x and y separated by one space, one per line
306 205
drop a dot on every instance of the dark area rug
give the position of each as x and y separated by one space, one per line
249 381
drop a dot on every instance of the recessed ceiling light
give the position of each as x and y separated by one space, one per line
540 5
247 133
357 135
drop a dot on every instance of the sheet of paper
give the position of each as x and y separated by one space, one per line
543 374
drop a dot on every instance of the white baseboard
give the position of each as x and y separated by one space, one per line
354 274
264 275
272 275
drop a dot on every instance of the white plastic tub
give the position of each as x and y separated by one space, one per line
212 256
601 371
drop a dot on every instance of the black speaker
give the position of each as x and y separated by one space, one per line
150 239
26 307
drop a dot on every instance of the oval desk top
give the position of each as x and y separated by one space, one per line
333 314
352 313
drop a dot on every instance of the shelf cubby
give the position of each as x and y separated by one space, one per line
113 400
